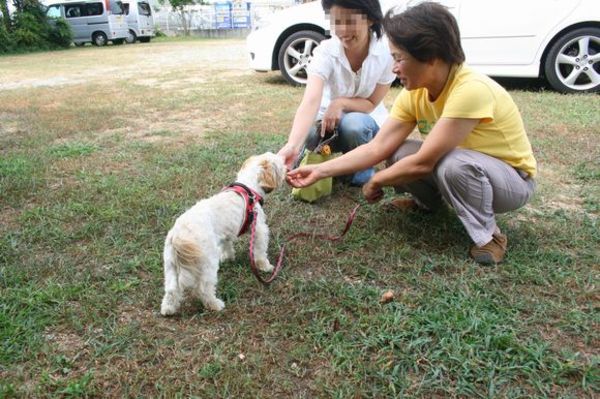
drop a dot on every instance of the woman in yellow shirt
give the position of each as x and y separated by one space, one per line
475 154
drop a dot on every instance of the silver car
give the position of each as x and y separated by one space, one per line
140 21
92 21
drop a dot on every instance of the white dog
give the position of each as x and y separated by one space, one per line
204 235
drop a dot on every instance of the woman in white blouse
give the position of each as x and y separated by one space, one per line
348 78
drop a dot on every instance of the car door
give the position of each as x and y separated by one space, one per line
75 16
508 32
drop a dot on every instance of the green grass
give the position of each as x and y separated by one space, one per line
88 191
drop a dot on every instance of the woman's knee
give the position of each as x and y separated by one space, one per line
355 129
453 169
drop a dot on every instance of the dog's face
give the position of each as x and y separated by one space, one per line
268 168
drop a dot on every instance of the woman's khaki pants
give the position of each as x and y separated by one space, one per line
476 185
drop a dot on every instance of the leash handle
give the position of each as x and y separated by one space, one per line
279 264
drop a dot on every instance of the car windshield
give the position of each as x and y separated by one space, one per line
144 9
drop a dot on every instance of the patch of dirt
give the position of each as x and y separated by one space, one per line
9 218
66 343
9 125
190 62
558 192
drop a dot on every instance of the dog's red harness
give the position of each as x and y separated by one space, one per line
250 198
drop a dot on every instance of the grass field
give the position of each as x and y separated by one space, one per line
96 163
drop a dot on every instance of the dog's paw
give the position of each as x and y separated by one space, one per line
216 305
170 304
264 265
167 310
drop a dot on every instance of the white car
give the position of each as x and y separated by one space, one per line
558 40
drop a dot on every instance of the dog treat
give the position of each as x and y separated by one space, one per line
387 296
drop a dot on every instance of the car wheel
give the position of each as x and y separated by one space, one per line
573 62
296 53
131 37
99 39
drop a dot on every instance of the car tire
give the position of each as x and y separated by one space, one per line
296 53
131 37
569 67
99 39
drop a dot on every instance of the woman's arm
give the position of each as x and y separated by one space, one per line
446 135
304 118
391 135
341 105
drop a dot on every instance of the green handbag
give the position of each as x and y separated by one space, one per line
318 154
319 189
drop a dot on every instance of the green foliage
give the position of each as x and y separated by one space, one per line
6 40
31 30
70 150
28 32
61 34
158 32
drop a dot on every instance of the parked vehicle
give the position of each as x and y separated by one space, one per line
92 21
140 20
556 40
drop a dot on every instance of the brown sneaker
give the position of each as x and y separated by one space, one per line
491 253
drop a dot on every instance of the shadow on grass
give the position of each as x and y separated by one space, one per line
534 85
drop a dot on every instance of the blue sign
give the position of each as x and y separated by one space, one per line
233 15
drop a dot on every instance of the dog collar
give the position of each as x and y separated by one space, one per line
250 197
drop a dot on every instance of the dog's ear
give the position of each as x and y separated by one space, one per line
268 178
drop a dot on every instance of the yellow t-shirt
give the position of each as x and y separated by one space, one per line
468 94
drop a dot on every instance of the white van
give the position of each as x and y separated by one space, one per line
140 21
95 21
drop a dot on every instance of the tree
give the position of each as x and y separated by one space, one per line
179 6
30 29
5 13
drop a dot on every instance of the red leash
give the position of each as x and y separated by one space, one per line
279 265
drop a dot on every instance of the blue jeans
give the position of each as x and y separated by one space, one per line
354 129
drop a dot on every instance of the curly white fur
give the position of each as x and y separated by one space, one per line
203 236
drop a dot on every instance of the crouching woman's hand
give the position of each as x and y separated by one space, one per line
304 176
372 191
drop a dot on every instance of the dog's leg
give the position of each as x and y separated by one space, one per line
173 292
207 286
261 243
227 251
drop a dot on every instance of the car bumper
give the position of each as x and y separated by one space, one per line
260 44
146 33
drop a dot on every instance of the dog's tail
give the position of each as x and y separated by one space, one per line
188 255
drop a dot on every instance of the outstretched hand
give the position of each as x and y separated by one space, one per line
303 176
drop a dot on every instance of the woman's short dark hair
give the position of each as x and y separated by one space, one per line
426 31
370 8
